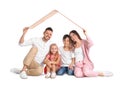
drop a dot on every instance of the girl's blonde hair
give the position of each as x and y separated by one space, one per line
57 53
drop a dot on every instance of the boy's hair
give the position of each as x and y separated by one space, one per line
49 28
66 36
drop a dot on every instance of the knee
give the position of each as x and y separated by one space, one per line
70 72
39 72
87 73
59 72
78 73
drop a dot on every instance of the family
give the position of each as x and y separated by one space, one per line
46 57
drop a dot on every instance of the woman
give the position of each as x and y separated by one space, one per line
83 64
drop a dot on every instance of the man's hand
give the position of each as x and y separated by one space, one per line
25 30
23 35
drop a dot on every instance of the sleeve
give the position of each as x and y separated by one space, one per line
72 54
59 50
89 41
28 42
48 56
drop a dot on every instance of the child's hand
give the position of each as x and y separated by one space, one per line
70 67
49 64
52 62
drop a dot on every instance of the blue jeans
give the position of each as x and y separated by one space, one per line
64 70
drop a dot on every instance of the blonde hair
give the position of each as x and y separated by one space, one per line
57 53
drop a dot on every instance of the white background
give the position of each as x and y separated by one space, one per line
101 19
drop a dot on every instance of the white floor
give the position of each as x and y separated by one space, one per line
14 79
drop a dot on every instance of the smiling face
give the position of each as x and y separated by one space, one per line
53 49
73 36
66 42
47 35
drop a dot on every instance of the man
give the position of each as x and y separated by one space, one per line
33 62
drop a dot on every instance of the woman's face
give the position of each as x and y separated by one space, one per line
73 37
66 41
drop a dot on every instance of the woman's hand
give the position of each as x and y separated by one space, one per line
84 31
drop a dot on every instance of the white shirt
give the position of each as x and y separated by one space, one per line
78 53
66 56
43 48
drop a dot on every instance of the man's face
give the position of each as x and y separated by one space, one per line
47 34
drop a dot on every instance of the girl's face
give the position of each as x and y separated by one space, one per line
66 41
73 37
53 49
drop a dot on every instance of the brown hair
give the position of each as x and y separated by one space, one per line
70 41
48 28
76 33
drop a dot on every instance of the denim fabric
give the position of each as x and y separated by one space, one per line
64 70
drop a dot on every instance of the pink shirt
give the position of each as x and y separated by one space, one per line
51 57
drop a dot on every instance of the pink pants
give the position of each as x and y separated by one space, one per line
84 70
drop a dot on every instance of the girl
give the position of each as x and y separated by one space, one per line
67 57
52 61
83 64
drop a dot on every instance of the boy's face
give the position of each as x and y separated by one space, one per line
66 42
